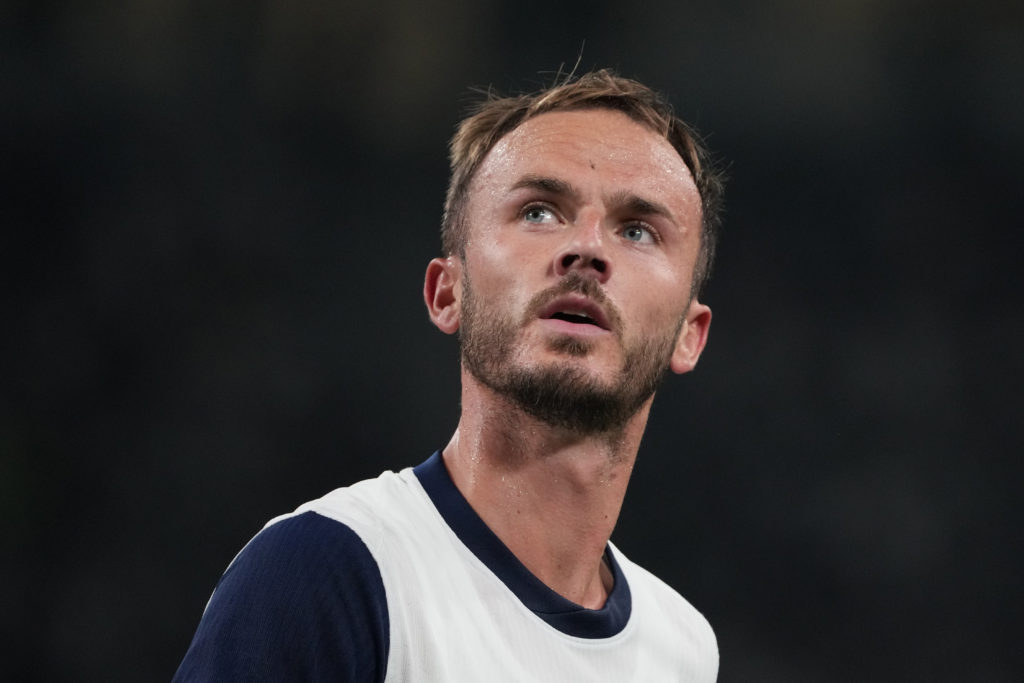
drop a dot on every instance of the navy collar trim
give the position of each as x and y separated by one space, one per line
562 614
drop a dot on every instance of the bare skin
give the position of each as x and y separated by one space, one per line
552 498
623 211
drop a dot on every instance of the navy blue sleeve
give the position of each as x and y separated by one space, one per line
304 601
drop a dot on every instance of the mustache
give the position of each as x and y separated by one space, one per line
574 283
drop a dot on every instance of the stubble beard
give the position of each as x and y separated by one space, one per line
561 394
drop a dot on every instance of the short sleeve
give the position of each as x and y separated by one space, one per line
304 600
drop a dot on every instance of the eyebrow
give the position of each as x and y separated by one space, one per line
640 206
550 185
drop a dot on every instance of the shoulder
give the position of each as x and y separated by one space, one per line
664 614
303 599
369 507
300 552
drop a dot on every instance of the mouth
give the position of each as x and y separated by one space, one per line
576 310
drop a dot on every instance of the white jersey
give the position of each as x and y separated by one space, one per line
460 607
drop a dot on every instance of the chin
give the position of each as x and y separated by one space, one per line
571 346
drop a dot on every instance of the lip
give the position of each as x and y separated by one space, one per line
575 304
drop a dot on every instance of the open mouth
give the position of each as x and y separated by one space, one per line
576 310
578 318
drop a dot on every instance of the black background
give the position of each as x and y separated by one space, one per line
216 217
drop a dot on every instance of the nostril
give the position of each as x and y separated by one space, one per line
570 261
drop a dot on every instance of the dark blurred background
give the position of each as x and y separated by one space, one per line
216 217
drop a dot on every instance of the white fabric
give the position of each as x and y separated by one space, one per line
452 619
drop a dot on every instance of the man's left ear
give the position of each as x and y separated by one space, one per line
692 338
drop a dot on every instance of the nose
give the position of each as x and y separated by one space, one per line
584 251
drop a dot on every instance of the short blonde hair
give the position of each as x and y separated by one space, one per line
496 116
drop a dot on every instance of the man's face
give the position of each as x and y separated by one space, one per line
583 231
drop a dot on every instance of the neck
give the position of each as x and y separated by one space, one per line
551 495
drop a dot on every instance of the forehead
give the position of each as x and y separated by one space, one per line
596 144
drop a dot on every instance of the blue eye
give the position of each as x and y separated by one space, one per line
638 233
537 214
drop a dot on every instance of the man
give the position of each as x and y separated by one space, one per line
579 228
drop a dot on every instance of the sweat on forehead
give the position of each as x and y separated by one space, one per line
548 149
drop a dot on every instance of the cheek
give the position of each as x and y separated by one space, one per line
496 284
660 302
505 261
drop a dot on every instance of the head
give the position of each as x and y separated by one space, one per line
496 117
578 230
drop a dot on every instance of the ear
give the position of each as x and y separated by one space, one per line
692 338
442 291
